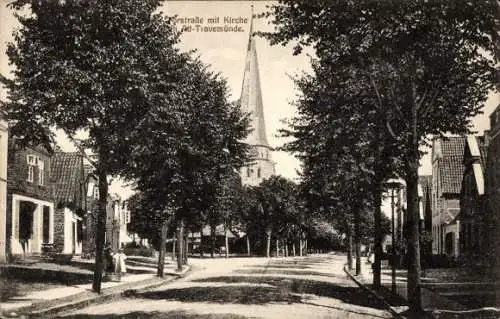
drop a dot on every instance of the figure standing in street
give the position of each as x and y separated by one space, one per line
120 267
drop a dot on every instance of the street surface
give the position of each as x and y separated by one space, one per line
309 287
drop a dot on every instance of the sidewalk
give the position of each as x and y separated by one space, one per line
433 303
54 300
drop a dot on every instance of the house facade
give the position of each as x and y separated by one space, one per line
473 200
30 208
4 145
447 175
69 196
493 182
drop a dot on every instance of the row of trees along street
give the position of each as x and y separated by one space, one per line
386 76
152 114
156 116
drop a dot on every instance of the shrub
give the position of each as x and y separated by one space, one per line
140 251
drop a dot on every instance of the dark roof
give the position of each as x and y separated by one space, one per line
450 165
66 171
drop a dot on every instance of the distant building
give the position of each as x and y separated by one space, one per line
4 145
30 208
262 166
447 175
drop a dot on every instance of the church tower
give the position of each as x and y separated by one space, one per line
262 166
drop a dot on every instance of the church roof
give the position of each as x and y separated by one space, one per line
251 94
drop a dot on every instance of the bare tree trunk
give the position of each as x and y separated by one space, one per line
357 238
349 249
226 242
277 248
180 244
249 253
100 230
286 249
201 241
413 279
212 241
301 247
414 294
186 248
293 248
173 245
377 195
305 247
163 248
268 243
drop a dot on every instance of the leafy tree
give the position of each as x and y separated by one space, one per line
194 142
88 66
276 207
424 62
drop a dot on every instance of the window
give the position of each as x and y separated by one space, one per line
41 173
32 162
248 171
258 172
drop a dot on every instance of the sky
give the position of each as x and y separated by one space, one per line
225 51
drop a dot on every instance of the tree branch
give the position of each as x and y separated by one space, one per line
81 149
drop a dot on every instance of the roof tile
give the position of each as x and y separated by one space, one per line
66 176
450 166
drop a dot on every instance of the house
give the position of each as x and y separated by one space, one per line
493 183
69 196
473 199
4 145
117 215
30 208
447 175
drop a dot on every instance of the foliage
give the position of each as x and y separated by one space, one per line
425 67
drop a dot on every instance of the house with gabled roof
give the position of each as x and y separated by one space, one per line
68 180
473 200
447 175
30 207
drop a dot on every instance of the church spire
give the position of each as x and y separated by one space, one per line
251 94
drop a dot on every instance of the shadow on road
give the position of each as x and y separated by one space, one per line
160 315
350 295
287 272
229 294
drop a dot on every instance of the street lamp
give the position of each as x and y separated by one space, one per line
393 185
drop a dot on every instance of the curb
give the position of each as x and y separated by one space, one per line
374 293
46 309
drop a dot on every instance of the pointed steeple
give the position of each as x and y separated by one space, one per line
251 94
